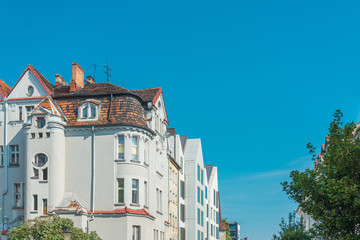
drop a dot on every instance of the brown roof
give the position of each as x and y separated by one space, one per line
4 89
124 110
89 90
148 95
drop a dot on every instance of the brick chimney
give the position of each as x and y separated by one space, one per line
59 81
77 80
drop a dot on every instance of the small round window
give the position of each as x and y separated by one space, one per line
30 91
40 160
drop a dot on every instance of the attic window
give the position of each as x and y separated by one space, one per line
30 91
88 111
40 122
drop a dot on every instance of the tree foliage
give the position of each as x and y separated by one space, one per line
227 228
49 227
330 193
293 230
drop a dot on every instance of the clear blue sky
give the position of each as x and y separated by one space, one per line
255 80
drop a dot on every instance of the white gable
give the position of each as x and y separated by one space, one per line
28 80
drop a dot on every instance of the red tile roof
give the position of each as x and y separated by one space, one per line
4 89
43 81
125 210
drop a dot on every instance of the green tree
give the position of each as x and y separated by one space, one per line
224 220
330 192
49 227
294 230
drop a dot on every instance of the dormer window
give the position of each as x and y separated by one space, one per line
89 111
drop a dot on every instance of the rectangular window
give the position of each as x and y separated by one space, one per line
146 193
17 195
217 199
14 154
198 194
44 206
182 165
211 229
207 210
35 173
202 218
182 233
214 199
134 148
45 174
202 236
202 197
198 172
198 235
160 192
182 212
28 110
121 149
135 191
217 217
20 114
206 192
182 189
202 176
198 216
136 235
120 190
35 201
1 156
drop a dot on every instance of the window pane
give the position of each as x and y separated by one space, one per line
120 196
134 140
92 112
121 139
85 112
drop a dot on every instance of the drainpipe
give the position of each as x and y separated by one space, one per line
92 200
6 164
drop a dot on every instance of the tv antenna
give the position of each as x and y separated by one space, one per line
94 69
107 71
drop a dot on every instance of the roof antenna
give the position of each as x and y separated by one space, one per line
107 71
94 69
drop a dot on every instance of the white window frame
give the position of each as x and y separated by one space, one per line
1 155
135 147
123 145
146 192
136 235
119 188
89 106
135 190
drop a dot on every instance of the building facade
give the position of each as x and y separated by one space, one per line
102 156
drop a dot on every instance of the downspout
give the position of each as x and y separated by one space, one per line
6 164
92 200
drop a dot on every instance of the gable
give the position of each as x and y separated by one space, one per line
22 89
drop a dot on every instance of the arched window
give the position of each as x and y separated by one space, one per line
40 160
89 111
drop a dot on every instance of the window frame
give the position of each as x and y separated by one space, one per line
88 106
118 188
135 190
16 155
136 147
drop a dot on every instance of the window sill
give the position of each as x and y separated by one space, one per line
159 174
134 161
14 207
33 212
1 166
146 207
14 165
119 204
146 164
159 212
34 178
43 181
119 160
134 204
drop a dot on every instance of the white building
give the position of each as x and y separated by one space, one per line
101 155
95 153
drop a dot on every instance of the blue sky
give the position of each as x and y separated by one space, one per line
255 80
